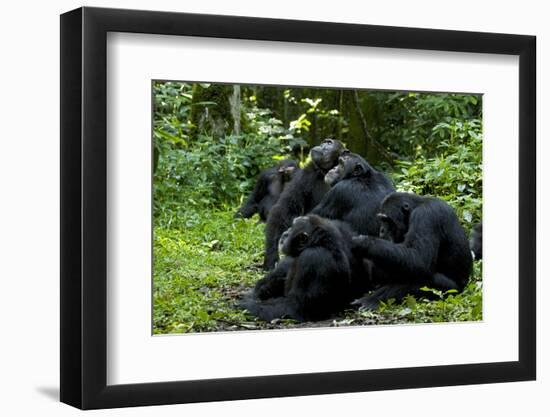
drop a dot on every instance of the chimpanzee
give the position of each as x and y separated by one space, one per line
476 241
319 271
357 190
421 243
273 284
269 186
304 192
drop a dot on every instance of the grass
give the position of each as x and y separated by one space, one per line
205 262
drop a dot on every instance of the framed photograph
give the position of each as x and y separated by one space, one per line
257 208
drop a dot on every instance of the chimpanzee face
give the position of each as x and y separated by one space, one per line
286 169
326 154
283 239
350 165
394 217
297 237
334 175
389 230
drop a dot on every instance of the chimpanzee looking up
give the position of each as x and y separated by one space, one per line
319 272
357 190
268 188
476 241
421 243
304 192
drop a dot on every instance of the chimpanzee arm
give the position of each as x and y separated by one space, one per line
260 191
334 203
273 284
414 259
276 224
288 207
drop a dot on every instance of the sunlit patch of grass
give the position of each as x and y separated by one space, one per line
201 269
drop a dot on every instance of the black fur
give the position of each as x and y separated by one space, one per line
476 241
273 284
421 243
303 193
269 186
319 273
356 194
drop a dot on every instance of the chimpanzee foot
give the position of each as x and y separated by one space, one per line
366 303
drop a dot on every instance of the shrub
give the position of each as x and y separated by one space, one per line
454 175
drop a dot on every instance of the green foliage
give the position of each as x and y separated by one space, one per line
209 173
171 124
200 270
454 174
406 120
196 171
316 114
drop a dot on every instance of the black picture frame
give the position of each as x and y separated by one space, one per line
84 207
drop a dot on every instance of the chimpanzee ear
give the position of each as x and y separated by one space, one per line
303 237
359 170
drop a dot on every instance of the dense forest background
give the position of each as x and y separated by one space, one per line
212 140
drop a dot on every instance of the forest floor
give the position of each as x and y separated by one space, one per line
204 263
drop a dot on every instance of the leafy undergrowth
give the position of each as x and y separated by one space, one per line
203 264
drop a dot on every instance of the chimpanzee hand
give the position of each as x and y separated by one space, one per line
269 287
361 244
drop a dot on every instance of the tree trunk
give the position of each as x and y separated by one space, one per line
362 119
340 114
356 140
235 105
214 117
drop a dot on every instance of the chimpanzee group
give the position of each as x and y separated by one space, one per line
348 238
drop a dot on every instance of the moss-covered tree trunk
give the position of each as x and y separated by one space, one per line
357 140
363 117
211 110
